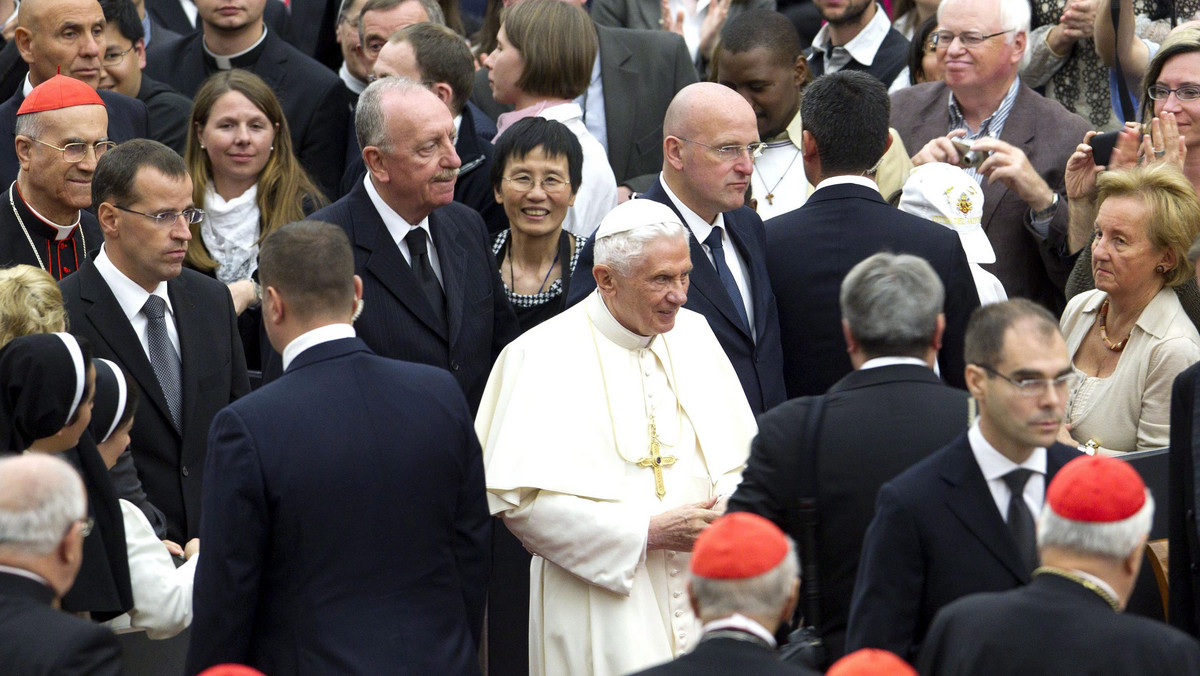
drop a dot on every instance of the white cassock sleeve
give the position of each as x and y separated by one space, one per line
162 593
599 542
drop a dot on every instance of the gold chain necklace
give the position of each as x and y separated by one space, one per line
12 203
770 196
1079 579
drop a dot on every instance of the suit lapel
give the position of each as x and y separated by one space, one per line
110 322
971 501
452 259
274 52
1018 131
620 100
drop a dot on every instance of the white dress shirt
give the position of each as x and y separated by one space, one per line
132 297
862 47
995 465
399 228
321 334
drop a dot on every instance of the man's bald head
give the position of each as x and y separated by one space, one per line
699 101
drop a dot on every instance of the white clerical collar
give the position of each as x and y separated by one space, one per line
891 361
739 622
26 87
225 61
352 83
28 574
321 334
848 180
995 464
396 226
610 328
61 231
130 295
862 47
699 227
457 125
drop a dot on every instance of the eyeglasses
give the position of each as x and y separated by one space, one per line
731 153
115 58
168 218
1184 93
1033 387
74 153
930 45
967 38
525 183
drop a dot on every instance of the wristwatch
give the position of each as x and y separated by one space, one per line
1046 213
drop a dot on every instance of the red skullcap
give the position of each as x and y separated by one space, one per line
231 670
871 662
59 92
1096 489
738 546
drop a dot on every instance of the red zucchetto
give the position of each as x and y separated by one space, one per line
871 662
738 546
59 92
1096 489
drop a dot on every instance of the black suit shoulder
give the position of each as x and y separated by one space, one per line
37 640
169 112
724 656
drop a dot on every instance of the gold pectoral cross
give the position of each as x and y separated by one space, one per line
656 461
770 198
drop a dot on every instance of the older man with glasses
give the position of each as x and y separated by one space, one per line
1021 140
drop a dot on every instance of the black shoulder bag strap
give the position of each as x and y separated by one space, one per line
1128 111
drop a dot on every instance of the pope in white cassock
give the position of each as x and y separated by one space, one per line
610 495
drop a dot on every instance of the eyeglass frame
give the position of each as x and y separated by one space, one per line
159 219
1034 387
120 56
963 39
541 183
1175 91
89 525
108 145
752 150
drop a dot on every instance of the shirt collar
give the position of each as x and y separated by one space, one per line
891 361
994 124
396 226
352 83
700 229
610 328
241 59
863 47
61 232
21 572
739 622
130 296
994 464
849 180
321 334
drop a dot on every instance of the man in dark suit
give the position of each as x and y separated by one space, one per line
1025 209
343 535
811 249
711 140
174 330
1092 537
961 521
857 36
433 293
313 98
171 15
639 73
38 565
744 584
876 422
1184 611
40 37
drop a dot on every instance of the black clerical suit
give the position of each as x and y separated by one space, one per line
313 98
1184 571
26 239
170 113
876 423
728 653
1052 626
37 640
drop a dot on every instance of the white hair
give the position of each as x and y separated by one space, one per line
1114 540
620 251
40 497
760 595
370 117
1015 16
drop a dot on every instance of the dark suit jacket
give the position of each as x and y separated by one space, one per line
876 424
398 321
640 71
314 99
349 533
170 113
37 640
727 657
127 119
810 251
936 537
311 28
890 59
1027 265
759 364
1051 626
213 374
1181 507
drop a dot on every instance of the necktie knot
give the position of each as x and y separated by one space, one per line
1017 479
155 307
416 242
713 241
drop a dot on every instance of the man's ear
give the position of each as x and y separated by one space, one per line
373 158
444 92
851 343
975 377
801 71
24 149
605 280
276 310
673 152
107 215
24 38
139 48
808 146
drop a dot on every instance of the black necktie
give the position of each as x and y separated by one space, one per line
163 357
713 241
418 252
1020 520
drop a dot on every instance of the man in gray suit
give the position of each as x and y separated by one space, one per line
1025 138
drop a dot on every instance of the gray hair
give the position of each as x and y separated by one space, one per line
760 595
621 250
432 10
40 497
30 125
1114 540
892 302
370 118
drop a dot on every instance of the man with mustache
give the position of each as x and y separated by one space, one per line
961 521
433 294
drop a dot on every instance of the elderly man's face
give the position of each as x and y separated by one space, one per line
417 172
376 27
647 300
989 64
347 38
63 33
50 182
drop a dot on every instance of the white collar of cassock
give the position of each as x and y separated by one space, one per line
610 328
